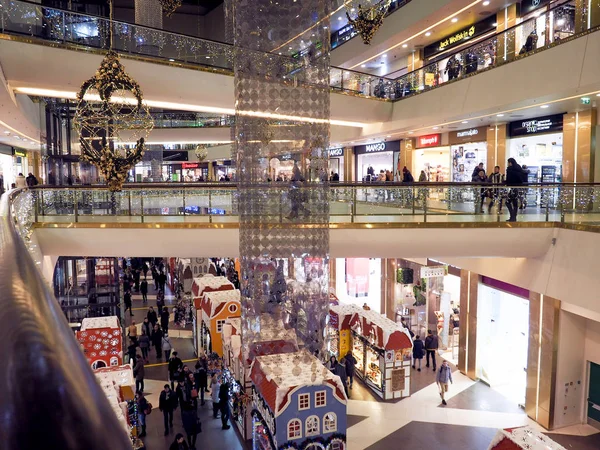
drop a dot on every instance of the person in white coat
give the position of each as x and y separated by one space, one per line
21 182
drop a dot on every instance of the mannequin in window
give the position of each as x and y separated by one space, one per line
471 62
453 67
530 43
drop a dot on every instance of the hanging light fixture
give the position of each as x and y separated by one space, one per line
201 152
366 16
170 6
111 104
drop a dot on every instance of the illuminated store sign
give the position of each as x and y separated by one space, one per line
460 37
336 152
377 147
478 134
429 140
548 124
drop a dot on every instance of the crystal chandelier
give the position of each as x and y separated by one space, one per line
111 104
170 6
367 16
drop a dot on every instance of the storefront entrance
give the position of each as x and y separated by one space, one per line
593 415
502 341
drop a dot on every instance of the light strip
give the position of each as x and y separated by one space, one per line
419 33
539 357
5 125
189 107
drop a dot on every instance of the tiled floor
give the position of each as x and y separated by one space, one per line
577 442
480 397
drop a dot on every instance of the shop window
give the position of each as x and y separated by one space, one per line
336 445
330 423
294 429
195 270
220 324
303 401
320 399
312 426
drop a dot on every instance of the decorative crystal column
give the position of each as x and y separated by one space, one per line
281 62
149 13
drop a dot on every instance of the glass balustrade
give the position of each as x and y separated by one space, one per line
348 203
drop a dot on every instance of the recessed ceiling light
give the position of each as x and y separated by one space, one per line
290 48
7 132
208 57
171 59
436 128
495 24
544 106
384 55
410 132
324 28
339 18
597 95
486 3
465 121
454 19
352 10
428 34
363 65
389 135
404 45
499 115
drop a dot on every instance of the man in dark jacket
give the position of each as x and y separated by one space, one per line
167 403
175 367
152 316
127 301
431 346
350 365
514 177
201 380
164 320
224 404
144 290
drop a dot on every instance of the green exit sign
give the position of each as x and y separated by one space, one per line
586 100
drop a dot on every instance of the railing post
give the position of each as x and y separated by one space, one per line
36 203
353 206
75 206
183 192
425 204
547 205
142 206
209 205
130 203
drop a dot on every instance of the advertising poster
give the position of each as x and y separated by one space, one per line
465 158
357 277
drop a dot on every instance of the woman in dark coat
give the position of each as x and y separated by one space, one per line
418 352
189 417
157 336
515 176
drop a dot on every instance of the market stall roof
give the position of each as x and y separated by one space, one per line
93 323
344 315
276 376
388 334
210 283
523 438
213 302
274 339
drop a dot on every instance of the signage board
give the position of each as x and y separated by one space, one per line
175 155
21 153
546 124
336 152
478 134
461 36
429 140
528 6
377 147
398 380
193 165
434 272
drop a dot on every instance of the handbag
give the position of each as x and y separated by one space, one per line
194 393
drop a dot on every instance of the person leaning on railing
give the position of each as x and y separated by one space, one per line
495 193
515 176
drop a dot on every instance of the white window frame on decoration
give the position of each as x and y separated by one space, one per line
220 324
233 308
336 445
308 431
318 404
326 428
302 397
297 435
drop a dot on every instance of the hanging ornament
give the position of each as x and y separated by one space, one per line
201 152
366 16
111 112
170 6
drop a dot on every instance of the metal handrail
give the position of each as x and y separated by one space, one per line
51 398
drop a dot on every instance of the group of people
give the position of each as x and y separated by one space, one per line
344 368
430 348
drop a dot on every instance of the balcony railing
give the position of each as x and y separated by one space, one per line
348 203
51 398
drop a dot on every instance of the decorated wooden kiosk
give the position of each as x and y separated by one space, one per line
101 341
523 438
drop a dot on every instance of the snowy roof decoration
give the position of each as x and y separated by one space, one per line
524 438
236 323
216 298
345 309
275 376
211 283
388 328
99 322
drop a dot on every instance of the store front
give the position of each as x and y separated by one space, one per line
371 159
194 171
538 144
224 170
358 281
336 162
503 337
432 158
282 166
468 148
7 170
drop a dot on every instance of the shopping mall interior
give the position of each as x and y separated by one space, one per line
300 224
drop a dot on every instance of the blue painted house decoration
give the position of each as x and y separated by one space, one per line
297 404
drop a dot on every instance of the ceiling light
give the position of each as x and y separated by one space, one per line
499 115
290 48
171 59
495 24
339 18
428 34
363 65
465 121
404 45
544 106
384 55
486 3
410 132
208 57
324 28
7 132
436 128
454 19
389 136
353 9
597 95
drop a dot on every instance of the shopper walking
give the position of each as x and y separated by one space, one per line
131 351
189 417
147 326
157 336
483 190
407 176
167 403
143 409
418 352
144 344
179 443
175 368
475 175
514 178
127 301
201 380
215 387
496 179
442 377
224 404
431 346
31 180
166 345
422 177
21 182
164 320
350 366
144 291
138 373
152 316
162 281
340 371
132 332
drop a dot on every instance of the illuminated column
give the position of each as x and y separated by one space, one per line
281 63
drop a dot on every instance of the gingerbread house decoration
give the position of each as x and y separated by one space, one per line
213 309
118 385
523 438
101 341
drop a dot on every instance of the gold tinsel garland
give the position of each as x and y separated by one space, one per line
170 6
368 20
99 122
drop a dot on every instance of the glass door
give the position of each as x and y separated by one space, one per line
593 415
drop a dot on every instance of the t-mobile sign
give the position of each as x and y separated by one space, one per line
429 140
